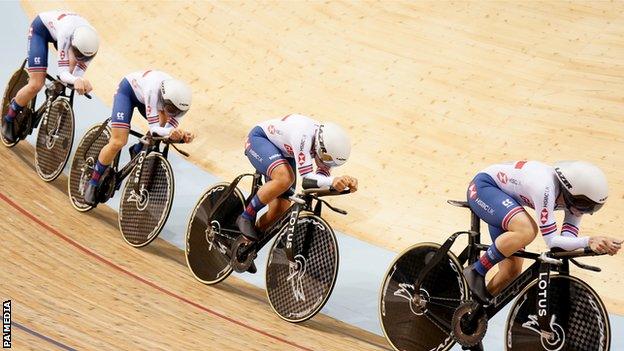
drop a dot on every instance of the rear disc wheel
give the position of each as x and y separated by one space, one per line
209 238
421 320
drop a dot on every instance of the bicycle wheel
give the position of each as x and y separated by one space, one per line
18 80
208 239
143 214
297 291
421 320
54 140
83 163
579 319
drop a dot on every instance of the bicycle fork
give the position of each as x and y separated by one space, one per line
552 335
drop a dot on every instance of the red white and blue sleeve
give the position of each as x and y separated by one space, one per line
153 114
63 45
305 161
545 208
570 225
81 68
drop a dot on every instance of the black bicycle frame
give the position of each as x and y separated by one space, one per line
286 222
37 115
540 270
137 160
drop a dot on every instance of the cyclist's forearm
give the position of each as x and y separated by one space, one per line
567 243
315 180
67 77
161 131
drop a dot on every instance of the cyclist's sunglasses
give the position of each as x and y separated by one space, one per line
170 109
582 203
79 56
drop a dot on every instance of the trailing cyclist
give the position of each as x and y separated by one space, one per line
77 43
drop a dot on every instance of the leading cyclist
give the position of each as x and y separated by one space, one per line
497 195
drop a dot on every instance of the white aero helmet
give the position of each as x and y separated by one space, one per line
85 41
332 144
584 186
175 94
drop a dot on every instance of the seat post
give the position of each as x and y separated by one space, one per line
474 240
475 223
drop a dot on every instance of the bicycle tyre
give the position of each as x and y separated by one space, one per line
298 293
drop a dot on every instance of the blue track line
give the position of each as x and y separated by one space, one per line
41 336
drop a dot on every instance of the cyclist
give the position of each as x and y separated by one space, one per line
276 148
159 98
77 43
497 195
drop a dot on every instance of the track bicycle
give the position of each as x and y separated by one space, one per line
302 264
425 302
147 196
56 133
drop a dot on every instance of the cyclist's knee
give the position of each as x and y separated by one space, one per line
524 225
35 82
284 176
118 142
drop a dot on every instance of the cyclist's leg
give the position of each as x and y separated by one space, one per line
120 123
38 39
508 270
123 104
268 160
497 209
280 205
521 231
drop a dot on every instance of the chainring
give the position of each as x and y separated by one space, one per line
469 333
243 254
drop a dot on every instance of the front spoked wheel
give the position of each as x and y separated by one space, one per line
54 140
146 200
298 290
209 238
578 319
421 320
83 163
18 80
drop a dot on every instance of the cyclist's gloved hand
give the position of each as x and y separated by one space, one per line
604 245
188 137
341 183
82 86
176 135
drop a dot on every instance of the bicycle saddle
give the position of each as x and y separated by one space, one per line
458 203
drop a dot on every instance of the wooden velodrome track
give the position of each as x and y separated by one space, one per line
72 279
430 91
